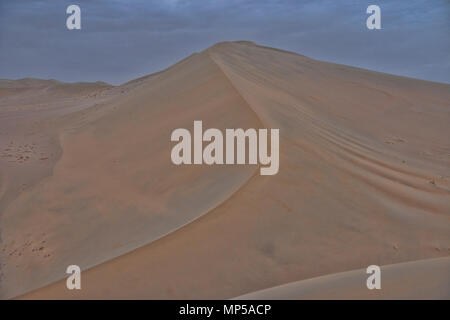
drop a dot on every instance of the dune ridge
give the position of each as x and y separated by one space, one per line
77 145
358 184
421 279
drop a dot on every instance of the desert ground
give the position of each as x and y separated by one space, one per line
364 178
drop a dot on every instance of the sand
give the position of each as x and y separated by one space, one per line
419 280
364 179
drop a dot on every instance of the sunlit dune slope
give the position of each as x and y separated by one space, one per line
364 179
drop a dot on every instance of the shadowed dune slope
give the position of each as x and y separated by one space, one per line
115 187
423 279
364 179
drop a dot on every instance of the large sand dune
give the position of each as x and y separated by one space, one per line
364 179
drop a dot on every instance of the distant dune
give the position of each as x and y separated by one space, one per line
86 179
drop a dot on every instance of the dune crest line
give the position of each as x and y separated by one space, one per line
358 184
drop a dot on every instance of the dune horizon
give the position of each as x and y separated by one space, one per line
6 81
86 178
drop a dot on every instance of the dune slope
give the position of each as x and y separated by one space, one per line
364 179
114 187
422 279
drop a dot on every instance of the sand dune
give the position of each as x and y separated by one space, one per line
423 279
364 179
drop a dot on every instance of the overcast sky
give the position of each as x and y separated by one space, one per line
123 39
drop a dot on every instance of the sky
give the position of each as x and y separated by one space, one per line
121 40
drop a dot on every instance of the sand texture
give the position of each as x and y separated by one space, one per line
86 179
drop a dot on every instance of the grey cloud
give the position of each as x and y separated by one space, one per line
121 40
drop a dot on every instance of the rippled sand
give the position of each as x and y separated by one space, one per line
364 179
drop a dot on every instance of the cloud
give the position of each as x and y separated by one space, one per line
121 40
